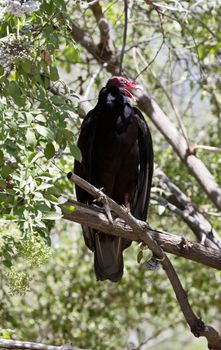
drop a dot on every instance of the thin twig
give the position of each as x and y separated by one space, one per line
124 36
92 80
207 148
176 112
153 59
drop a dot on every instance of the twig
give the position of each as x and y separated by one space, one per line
203 24
124 36
207 148
196 167
92 80
153 59
178 116
154 340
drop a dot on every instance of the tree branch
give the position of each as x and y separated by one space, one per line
106 46
103 52
198 223
198 328
170 243
15 344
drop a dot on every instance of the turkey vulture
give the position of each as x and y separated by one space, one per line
117 156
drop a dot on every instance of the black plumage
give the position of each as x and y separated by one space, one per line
117 156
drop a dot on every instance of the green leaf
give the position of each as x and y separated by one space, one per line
2 183
33 157
1 70
9 217
14 90
49 151
68 209
40 118
161 209
46 132
139 256
54 76
7 263
73 115
57 100
30 138
44 186
75 151
51 198
6 170
26 65
29 117
51 215
1 157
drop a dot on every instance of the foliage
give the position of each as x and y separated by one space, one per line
36 130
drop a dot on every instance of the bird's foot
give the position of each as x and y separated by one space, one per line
126 208
108 213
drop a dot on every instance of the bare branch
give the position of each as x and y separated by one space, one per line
189 213
105 49
95 50
125 35
152 60
200 172
171 243
15 344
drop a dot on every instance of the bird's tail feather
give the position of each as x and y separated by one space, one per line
108 257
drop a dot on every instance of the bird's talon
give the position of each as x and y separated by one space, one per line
108 213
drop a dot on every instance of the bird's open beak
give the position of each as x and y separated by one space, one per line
136 87
129 91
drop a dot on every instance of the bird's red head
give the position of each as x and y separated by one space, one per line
126 84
